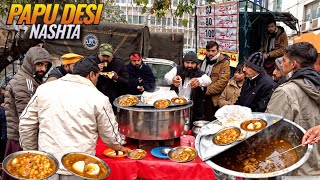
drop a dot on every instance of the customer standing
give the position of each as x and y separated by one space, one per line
20 89
116 82
257 88
217 67
298 99
72 119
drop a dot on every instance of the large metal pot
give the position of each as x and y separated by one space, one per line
284 129
8 159
149 123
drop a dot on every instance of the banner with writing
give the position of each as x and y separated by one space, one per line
219 22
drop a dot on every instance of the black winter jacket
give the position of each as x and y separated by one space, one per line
256 93
113 89
145 73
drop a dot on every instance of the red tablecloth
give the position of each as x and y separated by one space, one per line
154 168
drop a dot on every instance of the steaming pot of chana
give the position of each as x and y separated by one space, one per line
259 155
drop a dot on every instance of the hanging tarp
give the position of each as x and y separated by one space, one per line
124 38
166 46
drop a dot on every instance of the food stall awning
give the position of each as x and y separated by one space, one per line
285 17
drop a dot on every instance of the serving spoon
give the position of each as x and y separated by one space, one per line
276 155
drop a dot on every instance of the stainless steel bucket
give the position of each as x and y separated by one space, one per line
149 123
284 129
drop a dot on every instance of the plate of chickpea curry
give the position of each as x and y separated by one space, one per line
30 165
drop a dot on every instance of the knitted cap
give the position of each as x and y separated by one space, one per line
255 61
191 56
70 58
106 49
278 62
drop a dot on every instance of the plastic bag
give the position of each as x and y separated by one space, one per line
185 89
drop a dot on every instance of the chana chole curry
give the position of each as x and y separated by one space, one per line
226 136
128 100
31 166
255 159
182 154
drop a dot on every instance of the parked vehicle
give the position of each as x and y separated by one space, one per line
159 68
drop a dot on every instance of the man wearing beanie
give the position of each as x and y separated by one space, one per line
277 73
140 75
72 119
257 88
114 79
67 63
217 66
189 81
20 89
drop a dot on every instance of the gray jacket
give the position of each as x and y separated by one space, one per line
21 88
299 100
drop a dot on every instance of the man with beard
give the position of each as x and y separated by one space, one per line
190 82
216 66
114 79
68 61
140 75
298 99
19 91
275 41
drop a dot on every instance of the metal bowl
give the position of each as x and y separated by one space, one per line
7 160
284 129
157 103
88 155
132 152
244 124
175 150
224 129
179 100
124 97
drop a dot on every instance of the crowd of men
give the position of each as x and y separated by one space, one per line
74 106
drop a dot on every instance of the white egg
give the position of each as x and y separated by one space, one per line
14 161
92 169
79 166
257 125
250 126
112 153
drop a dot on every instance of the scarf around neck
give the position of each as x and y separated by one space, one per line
208 68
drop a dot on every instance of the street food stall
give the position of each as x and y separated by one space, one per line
253 148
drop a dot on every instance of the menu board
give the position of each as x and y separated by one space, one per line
219 22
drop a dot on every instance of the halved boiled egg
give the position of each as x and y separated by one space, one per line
79 166
257 125
250 126
92 169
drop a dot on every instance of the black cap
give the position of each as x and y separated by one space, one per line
85 66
